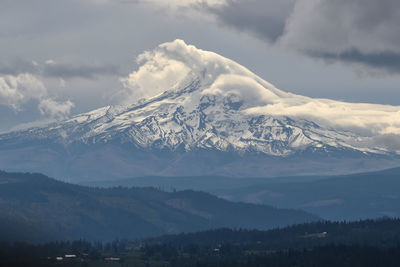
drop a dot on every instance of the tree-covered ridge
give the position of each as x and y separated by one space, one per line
36 208
383 232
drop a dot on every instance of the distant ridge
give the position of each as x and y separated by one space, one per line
356 196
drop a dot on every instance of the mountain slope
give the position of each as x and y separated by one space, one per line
34 207
204 114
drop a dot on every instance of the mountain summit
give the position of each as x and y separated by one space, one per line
197 113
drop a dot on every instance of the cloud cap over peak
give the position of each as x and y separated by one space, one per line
171 65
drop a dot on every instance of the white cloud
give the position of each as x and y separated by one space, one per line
55 109
171 64
366 119
158 74
15 91
245 88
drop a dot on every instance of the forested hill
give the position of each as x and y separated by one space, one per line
384 232
36 208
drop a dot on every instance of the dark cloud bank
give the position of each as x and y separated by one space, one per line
52 69
264 18
352 31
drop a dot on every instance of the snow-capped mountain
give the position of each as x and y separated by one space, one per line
208 122
203 114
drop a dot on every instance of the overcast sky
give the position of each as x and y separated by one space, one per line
60 58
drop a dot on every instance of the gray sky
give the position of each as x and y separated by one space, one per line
60 58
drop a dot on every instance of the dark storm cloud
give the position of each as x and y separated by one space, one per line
53 69
355 31
17 66
67 71
387 61
264 18
350 31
